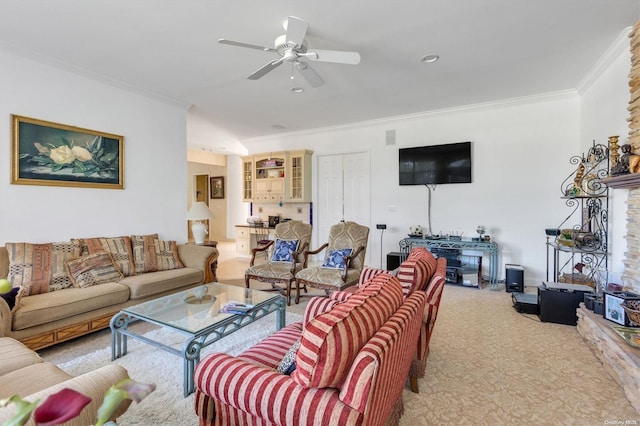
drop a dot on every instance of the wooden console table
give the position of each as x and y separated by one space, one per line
407 244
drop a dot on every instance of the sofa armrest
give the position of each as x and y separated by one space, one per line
204 258
263 393
93 384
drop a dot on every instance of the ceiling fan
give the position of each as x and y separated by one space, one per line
292 48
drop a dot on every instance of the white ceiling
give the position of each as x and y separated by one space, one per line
489 49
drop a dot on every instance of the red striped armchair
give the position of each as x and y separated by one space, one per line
350 367
421 271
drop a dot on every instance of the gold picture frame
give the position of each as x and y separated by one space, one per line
53 154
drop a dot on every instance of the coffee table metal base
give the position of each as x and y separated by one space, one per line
195 342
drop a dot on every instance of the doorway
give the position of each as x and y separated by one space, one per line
200 193
344 191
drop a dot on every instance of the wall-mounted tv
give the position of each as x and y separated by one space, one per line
435 164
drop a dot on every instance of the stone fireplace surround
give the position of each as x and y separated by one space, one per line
621 360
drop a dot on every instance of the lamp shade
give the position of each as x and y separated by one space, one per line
199 211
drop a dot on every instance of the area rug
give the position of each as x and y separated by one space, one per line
166 405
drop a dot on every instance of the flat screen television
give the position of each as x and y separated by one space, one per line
435 164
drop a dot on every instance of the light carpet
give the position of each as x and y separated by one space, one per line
488 365
166 405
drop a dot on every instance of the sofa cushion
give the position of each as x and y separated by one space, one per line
119 248
93 269
45 308
331 341
14 355
167 257
41 267
145 285
31 379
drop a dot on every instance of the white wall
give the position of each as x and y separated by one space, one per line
154 198
520 152
604 99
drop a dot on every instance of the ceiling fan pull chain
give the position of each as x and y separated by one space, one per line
291 70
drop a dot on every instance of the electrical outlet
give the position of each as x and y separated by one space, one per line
381 226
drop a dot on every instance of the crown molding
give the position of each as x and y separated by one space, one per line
617 48
83 72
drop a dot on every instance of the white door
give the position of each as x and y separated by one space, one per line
343 192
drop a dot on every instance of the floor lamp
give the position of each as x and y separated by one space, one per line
198 212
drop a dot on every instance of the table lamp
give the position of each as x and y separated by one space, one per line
199 211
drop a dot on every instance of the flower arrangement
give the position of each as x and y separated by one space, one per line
68 403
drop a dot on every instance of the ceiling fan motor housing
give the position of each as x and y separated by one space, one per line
282 47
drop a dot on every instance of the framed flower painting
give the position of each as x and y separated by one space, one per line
47 153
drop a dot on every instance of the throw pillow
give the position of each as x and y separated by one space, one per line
335 258
93 269
288 365
119 248
40 268
12 298
167 255
143 252
283 251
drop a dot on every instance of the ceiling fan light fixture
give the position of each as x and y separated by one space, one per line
429 59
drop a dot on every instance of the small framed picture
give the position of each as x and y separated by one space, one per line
217 187
612 309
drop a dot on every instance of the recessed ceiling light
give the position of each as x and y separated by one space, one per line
429 59
297 90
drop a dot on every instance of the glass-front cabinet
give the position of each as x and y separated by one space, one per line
277 177
247 179
299 177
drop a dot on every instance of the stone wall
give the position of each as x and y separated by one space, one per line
632 256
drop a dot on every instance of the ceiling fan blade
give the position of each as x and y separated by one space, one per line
309 74
296 30
265 69
337 56
241 44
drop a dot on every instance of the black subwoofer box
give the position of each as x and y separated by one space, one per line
394 259
514 278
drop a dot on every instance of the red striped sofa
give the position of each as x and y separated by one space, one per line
350 369
420 271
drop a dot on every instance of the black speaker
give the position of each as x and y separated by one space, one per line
394 259
514 278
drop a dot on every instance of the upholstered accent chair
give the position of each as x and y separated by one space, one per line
284 257
343 259
422 272
351 365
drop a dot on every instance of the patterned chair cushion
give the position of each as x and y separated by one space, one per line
272 270
331 341
119 247
328 276
335 258
93 269
283 250
40 268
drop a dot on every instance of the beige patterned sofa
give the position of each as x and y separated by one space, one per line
24 373
81 287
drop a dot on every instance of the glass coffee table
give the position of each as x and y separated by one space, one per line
197 317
